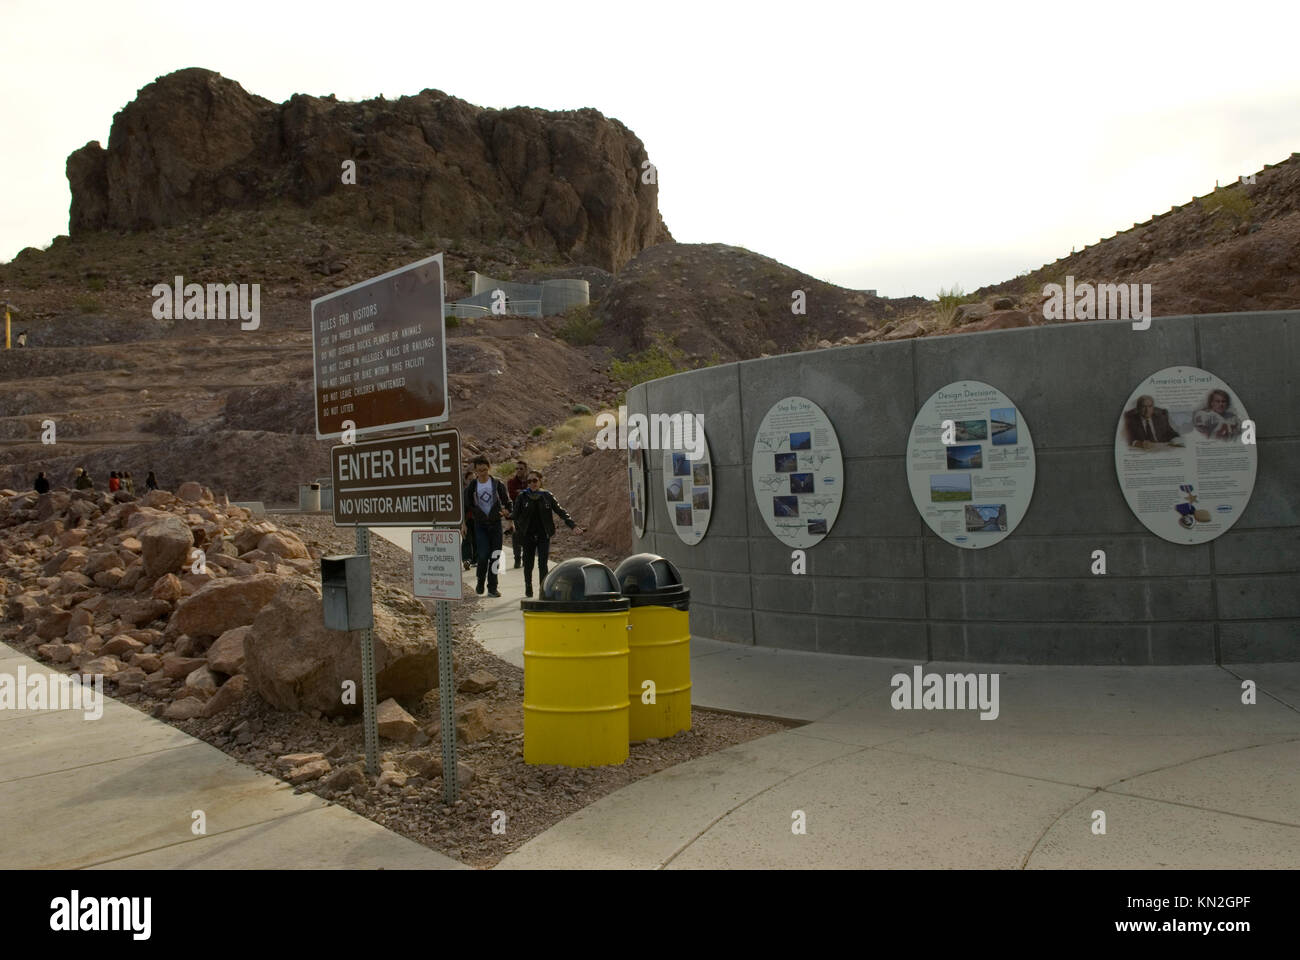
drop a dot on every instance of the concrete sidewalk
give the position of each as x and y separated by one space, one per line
119 792
1186 775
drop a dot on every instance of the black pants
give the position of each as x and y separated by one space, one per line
487 547
516 541
540 546
467 544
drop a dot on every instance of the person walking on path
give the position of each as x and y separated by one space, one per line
83 481
128 483
467 538
487 501
114 484
535 525
151 482
516 485
42 484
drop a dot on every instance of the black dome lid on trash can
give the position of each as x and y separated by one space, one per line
580 585
649 579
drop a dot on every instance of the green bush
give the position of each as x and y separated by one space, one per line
1235 204
650 364
581 326
88 304
582 409
453 321
537 431
949 301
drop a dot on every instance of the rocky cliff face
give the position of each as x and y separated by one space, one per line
194 142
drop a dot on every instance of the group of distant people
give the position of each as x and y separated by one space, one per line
81 480
531 511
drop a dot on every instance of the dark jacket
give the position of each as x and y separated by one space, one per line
42 485
1135 430
472 511
533 514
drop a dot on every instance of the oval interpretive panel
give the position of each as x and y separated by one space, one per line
1179 456
798 472
970 464
637 469
688 482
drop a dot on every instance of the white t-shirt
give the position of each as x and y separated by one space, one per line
484 494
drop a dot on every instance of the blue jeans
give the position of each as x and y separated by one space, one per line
487 548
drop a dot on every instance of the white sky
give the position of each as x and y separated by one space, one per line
899 146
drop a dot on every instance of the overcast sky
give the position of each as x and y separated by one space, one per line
898 147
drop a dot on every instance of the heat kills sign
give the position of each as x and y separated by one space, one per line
399 482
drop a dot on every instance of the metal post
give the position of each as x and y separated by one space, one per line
368 719
446 695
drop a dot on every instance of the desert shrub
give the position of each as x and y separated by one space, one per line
949 301
536 431
581 408
88 304
1234 204
581 326
650 364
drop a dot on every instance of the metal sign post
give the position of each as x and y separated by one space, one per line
446 698
370 723
437 575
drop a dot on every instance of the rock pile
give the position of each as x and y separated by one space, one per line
191 602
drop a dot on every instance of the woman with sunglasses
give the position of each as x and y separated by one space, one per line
535 525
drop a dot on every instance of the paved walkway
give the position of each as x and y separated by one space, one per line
1185 773
120 791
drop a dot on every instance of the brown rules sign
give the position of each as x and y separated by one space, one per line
380 352
411 481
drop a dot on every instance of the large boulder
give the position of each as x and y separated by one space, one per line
165 545
226 655
294 663
223 605
283 543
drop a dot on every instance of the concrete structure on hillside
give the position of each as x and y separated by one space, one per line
881 584
546 299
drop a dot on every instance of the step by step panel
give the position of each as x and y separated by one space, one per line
798 472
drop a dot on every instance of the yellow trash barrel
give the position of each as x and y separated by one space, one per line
575 668
659 647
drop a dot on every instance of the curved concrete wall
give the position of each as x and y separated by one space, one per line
882 585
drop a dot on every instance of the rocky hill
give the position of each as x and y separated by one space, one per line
194 143
1235 248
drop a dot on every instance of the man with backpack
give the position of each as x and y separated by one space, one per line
486 500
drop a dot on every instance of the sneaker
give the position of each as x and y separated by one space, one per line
517 564
493 593
528 591
479 589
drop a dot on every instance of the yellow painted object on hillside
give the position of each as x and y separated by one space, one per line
659 647
575 668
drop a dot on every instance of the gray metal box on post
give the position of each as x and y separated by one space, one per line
345 592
